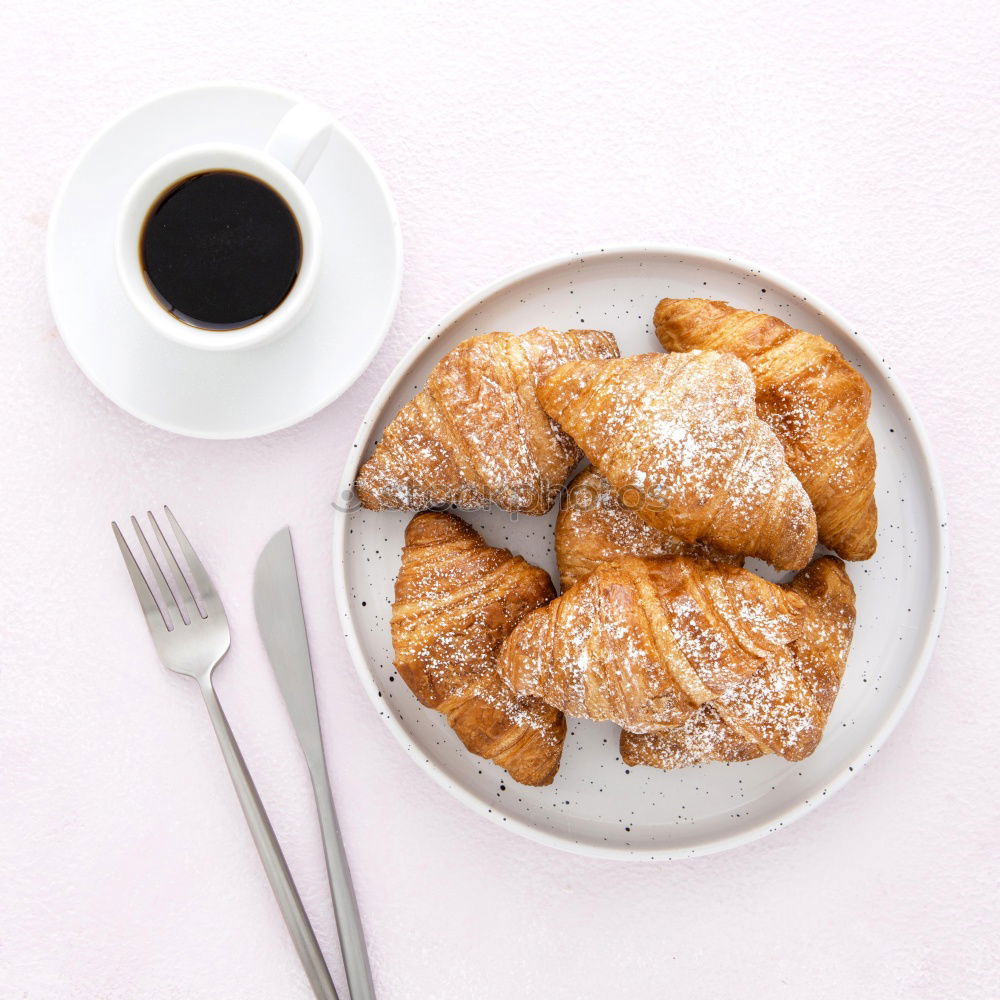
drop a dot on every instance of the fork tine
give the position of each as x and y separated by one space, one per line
151 610
183 587
202 581
166 592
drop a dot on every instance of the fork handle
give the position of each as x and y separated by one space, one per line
270 852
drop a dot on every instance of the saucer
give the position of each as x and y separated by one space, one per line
222 394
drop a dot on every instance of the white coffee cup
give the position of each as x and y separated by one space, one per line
284 164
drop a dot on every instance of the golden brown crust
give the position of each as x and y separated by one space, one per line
815 401
644 642
476 434
457 599
596 525
784 707
828 627
682 432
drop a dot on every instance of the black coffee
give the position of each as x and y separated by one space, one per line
220 250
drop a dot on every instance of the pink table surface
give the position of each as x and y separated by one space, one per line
852 146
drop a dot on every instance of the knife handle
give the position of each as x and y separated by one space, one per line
345 905
270 852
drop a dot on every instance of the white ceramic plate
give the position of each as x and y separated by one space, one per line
228 394
597 805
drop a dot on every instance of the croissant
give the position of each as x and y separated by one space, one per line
645 642
813 399
457 599
781 709
476 434
595 525
680 432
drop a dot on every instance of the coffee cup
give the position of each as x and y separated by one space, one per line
218 245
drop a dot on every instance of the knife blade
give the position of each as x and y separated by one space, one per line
282 625
281 620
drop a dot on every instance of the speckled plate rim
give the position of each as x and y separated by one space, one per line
938 545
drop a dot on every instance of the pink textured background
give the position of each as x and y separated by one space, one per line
853 146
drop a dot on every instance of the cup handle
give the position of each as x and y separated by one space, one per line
299 138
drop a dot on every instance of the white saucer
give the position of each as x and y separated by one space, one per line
229 394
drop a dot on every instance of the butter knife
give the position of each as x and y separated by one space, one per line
278 605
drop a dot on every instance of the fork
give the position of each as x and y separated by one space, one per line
191 638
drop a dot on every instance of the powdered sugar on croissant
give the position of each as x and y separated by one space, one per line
682 432
597 525
477 434
784 706
816 403
457 599
645 642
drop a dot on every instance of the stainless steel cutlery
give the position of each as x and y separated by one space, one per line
191 634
